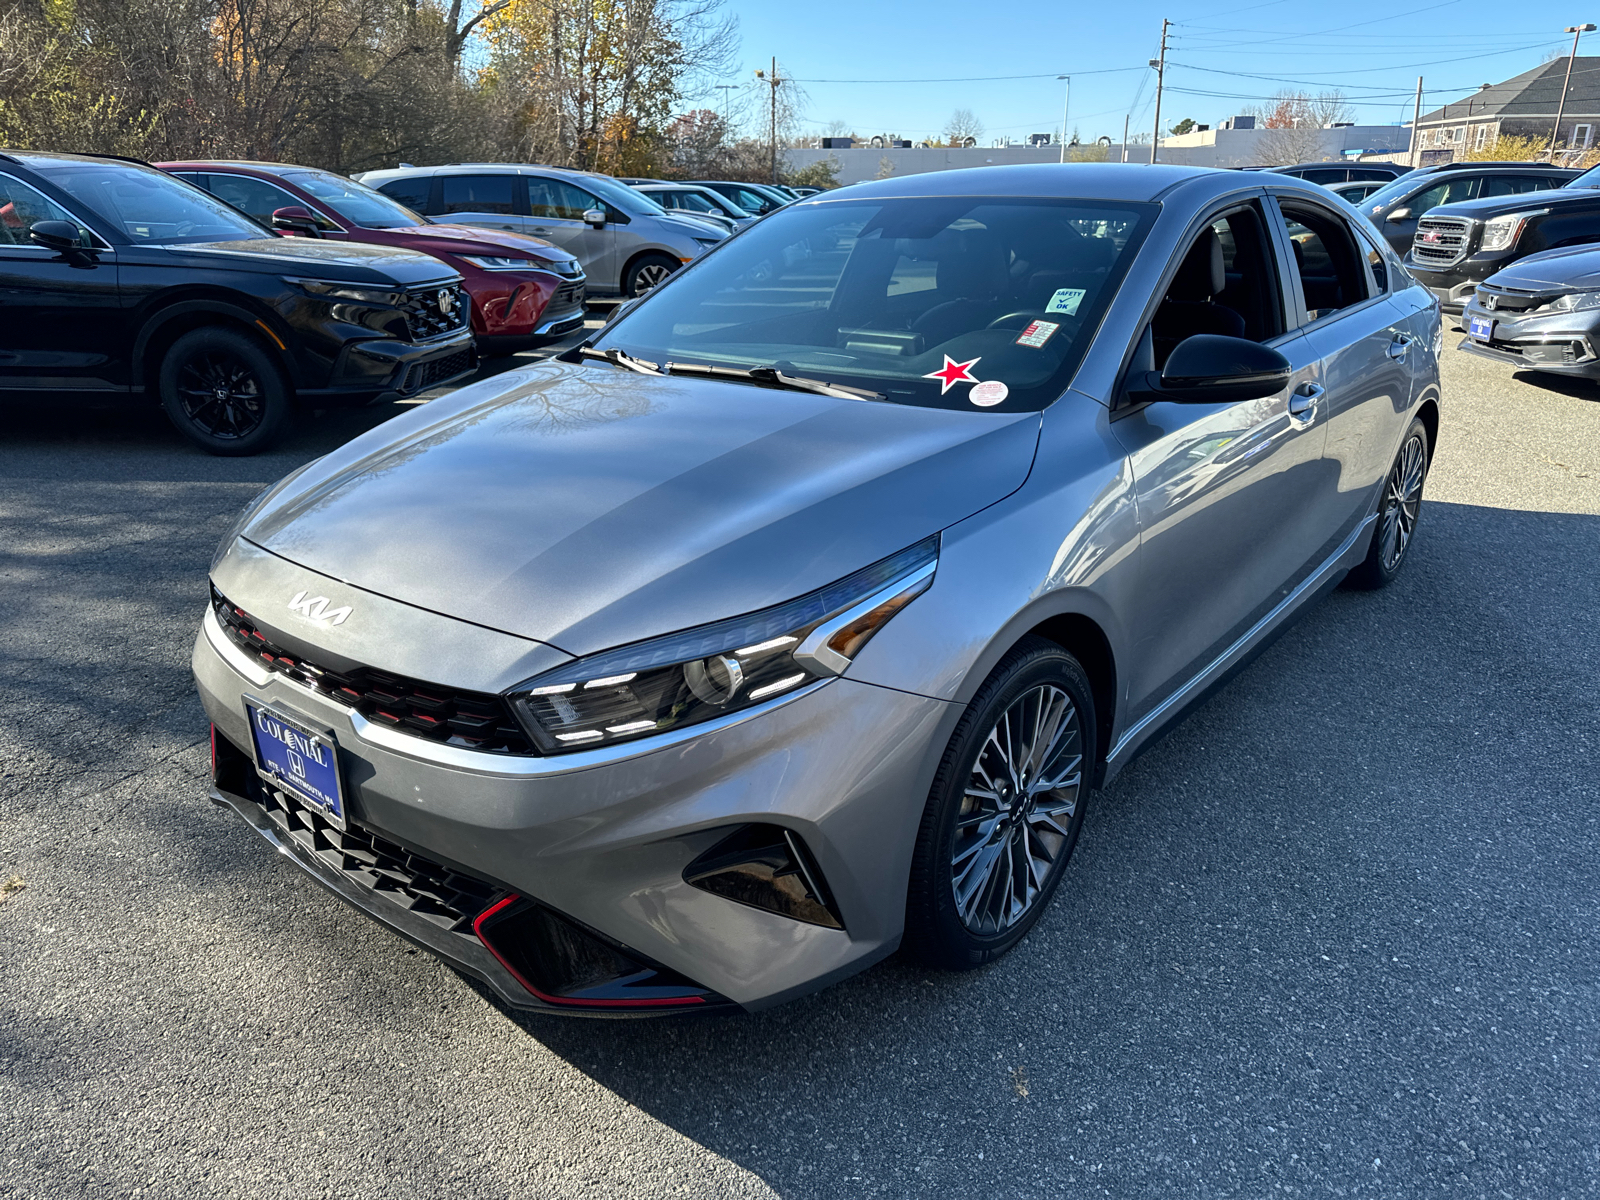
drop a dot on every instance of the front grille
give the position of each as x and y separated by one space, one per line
1441 241
425 316
567 295
1513 300
436 893
435 371
470 720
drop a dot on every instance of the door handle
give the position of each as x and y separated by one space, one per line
1303 402
1398 347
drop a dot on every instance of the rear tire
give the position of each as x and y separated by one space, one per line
650 271
223 391
1005 810
1398 512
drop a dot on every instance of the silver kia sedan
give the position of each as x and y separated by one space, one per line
795 617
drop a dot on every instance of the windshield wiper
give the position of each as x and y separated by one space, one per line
618 359
772 377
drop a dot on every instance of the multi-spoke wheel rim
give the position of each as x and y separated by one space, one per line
1402 501
1017 810
221 394
650 275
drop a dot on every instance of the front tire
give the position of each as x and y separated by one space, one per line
1398 512
650 271
223 391
1005 810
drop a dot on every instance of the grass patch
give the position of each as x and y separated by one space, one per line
10 887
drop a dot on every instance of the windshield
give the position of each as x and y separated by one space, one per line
1589 179
942 302
691 202
149 206
355 202
1389 193
620 195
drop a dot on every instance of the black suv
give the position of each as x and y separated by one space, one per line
1396 208
120 279
1459 245
1335 172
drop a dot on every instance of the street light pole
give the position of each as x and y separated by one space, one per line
725 88
1125 119
1576 31
1066 107
1416 118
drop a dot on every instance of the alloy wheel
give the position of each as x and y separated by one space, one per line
221 394
649 275
1402 502
1017 810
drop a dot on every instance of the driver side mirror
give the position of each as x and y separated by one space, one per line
1399 214
64 238
297 220
1208 368
595 217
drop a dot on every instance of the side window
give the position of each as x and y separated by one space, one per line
22 207
1451 191
1227 283
1326 259
1538 183
556 199
412 192
257 197
479 193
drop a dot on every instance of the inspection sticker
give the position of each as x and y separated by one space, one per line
1037 334
1065 301
988 393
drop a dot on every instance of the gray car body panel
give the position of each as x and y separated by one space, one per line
570 509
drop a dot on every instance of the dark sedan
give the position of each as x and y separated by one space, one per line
120 280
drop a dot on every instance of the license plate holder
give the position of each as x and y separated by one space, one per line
1480 328
298 755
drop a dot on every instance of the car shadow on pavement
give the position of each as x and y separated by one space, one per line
1566 385
1334 919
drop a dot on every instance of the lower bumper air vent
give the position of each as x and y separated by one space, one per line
768 867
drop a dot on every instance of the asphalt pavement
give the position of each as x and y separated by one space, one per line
1336 935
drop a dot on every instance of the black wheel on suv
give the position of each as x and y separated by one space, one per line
650 270
223 391
1005 809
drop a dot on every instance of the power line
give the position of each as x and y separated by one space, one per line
980 78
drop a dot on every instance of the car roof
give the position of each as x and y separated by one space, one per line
510 168
1084 181
25 157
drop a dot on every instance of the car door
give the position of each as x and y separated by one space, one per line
1364 342
555 213
61 322
1232 497
490 200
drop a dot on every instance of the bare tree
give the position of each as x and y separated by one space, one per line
963 124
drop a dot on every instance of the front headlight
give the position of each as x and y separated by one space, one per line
702 674
334 290
1572 302
568 270
1500 233
708 242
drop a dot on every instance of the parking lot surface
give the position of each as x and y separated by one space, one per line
1336 935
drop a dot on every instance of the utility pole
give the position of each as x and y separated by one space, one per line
1160 64
773 81
1416 116
1066 107
1576 31
1125 118
725 88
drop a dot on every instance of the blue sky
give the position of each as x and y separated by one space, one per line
1220 57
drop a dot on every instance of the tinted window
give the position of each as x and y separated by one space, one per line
1326 175
559 200
1513 185
478 193
355 202
257 197
21 207
885 294
149 206
1327 260
1369 173
413 192
1449 191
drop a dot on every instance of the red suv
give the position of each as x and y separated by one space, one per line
525 292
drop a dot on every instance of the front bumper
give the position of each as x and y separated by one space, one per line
1456 284
846 766
1561 343
387 367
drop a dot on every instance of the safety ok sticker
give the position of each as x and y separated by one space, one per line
1037 334
1065 301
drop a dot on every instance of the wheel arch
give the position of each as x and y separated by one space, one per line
1428 414
171 321
639 255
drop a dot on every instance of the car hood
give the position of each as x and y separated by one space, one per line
348 262
468 239
693 226
1570 267
1485 207
587 507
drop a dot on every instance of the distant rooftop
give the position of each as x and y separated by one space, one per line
1535 93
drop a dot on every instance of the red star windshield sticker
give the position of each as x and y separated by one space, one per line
953 373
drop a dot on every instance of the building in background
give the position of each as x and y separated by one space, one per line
1524 106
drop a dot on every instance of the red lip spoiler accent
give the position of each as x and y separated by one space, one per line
653 1002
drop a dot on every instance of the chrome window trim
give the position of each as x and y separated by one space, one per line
101 245
481 762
